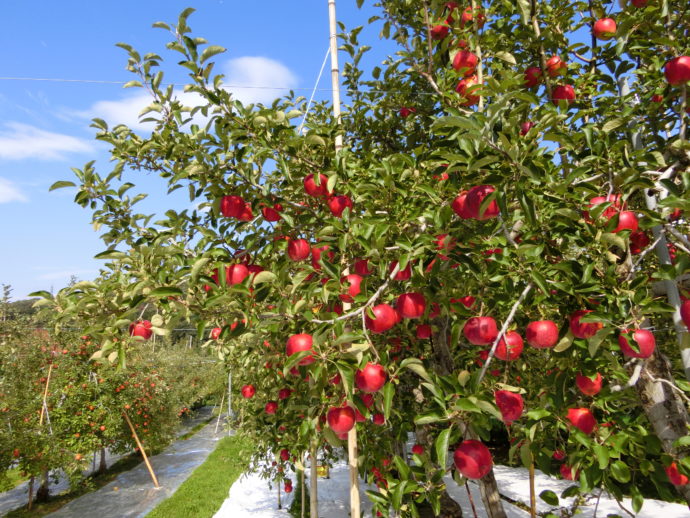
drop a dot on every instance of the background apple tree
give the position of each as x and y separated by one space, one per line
513 163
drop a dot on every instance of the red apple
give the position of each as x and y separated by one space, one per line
558 455
532 76
685 312
604 28
510 347
271 407
423 331
248 391
418 449
411 305
444 243
246 213
639 240
472 459
480 330
403 274
272 213
385 318
341 419
587 385
371 378
639 3
563 93
582 418
541 334
378 419
312 189
645 343
475 197
215 333
675 477
236 274
439 31
298 249
467 17
555 66
362 267
405 112
367 399
459 206
298 343
583 330
510 404
466 88
627 220
352 282
609 212
567 472
284 393
525 127
287 487
465 62
316 253
232 206
284 454
338 204
677 71
141 328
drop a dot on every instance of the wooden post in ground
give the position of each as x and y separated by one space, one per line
143 452
313 488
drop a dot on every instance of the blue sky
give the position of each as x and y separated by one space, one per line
44 125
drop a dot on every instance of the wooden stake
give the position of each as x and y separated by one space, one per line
313 488
280 506
31 492
303 496
532 491
45 395
354 472
141 449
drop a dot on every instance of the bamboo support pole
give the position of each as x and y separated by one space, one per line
45 395
143 452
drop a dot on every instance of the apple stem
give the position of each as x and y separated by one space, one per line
507 322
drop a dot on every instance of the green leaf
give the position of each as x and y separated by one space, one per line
111 254
549 497
602 454
166 291
197 266
388 393
620 471
441 446
564 342
506 56
416 366
431 417
264 276
211 51
612 125
132 83
61 184
42 294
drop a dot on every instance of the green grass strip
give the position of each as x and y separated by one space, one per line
203 493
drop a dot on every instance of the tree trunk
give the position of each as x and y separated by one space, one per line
43 492
102 466
665 409
444 365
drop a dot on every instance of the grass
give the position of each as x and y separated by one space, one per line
11 480
203 493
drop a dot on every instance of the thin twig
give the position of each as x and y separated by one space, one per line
640 257
502 333
633 378
680 237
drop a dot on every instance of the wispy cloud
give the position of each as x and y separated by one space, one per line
19 141
9 192
251 79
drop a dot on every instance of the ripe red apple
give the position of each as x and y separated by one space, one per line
675 477
480 330
232 206
510 404
466 88
312 189
236 273
558 455
405 112
362 267
367 399
459 206
378 419
627 220
371 378
467 301
341 419
248 391
353 283
411 305
583 330
444 243
582 418
475 197
298 249
563 93
141 328
284 454
609 212
316 253
677 71
403 274
215 333
465 62
272 213
298 343
338 204
587 385
567 472
525 127
386 317
532 76
439 31
271 407
284 393
639 3
542 334
685 312
645 343
287 487
467 17
510 347
472 459
246 213
423 331
555 66
604 28
418 449
639 240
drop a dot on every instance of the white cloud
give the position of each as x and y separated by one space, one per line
9 192
19 141
268 78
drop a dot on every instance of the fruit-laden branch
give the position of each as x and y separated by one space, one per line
368 303
502 333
